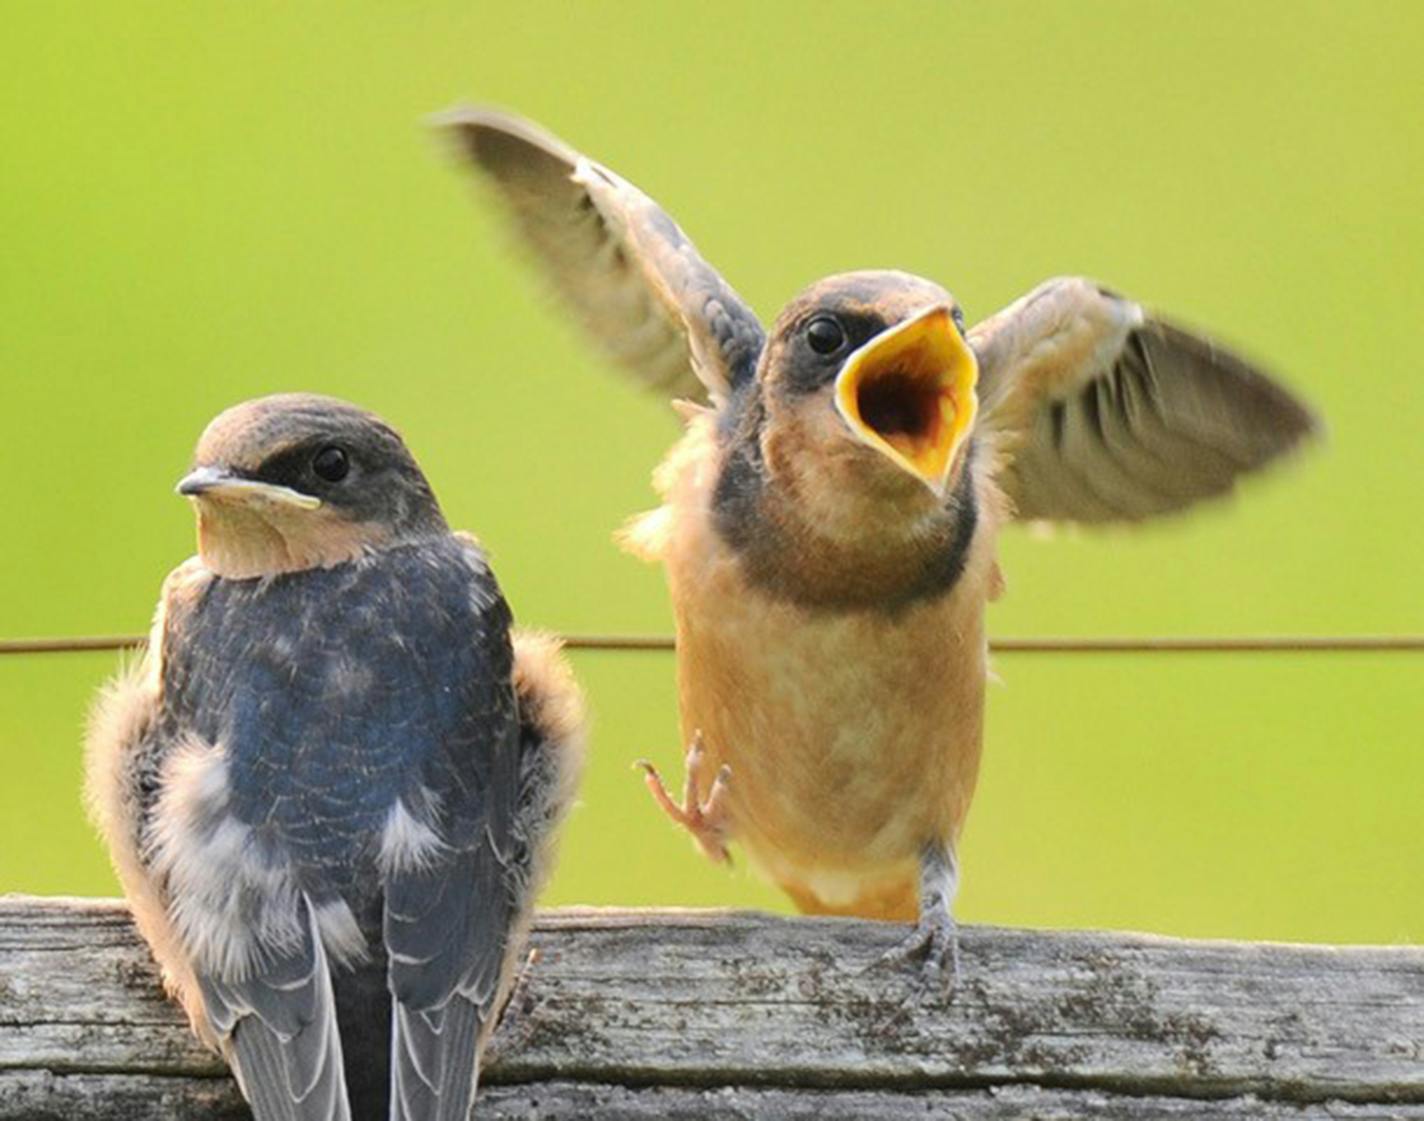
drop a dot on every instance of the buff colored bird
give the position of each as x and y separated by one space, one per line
831 513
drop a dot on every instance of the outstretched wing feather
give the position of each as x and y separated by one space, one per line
634 279
1106 413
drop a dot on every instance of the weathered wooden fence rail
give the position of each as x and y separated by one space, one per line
690 1014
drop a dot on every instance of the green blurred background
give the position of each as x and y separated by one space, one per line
206 202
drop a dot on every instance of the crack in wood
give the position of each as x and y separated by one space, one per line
643 1014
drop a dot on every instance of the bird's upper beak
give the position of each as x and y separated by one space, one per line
909 394
227 486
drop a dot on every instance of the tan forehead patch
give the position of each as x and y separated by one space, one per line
245 435
892 296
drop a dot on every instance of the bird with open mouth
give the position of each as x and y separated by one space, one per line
830 515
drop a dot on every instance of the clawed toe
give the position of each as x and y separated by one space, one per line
707 820
933 950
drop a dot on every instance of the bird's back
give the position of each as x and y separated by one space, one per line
320 686
336 694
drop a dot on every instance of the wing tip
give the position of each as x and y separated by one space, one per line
485 133
1293 423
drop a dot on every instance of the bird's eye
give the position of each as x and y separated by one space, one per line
331 463
825 335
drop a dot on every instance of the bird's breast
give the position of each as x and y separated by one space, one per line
853 735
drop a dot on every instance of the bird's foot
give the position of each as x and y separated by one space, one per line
706 819
933 949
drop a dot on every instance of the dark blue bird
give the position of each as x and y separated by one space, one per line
330 788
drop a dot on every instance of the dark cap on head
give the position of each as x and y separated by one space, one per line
832 317
348 459
298 481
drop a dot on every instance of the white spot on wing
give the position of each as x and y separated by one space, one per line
226 898
407 843
349 677
340 934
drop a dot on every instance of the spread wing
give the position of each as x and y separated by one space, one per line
1108 413
638 284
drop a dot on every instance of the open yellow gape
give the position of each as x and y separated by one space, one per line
909 393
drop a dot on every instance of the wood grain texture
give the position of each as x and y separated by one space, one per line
643 1014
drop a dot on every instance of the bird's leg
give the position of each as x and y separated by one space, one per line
935 940
707 820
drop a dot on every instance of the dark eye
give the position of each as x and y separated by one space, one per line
825 335
331 464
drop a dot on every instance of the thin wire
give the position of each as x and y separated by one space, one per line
1250 644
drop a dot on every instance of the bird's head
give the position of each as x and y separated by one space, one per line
871 370
298 481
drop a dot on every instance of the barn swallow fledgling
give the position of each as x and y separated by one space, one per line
330 788
829 522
